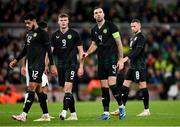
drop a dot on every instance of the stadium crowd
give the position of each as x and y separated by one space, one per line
163 42
148 11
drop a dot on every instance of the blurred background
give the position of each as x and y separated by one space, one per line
160 23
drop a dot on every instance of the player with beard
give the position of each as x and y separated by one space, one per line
106 39
36 45
40 91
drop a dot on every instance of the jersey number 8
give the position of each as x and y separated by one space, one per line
137 75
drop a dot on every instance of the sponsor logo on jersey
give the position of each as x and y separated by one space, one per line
69 36
57 37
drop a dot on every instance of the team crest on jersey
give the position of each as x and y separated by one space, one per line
35 34
69 36
105 31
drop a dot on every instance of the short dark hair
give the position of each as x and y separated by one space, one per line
135 20
30 16
97 7
61 15
43 24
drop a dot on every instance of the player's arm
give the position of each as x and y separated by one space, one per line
53 67
19 57
52 42
135 53
117 37
46 64
119 46
79 46
93 45
49 52
81 60
81 52
23 66
91 49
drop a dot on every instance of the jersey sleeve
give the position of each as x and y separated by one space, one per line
114 30
22 53
46 41
52 40
93 38
77 39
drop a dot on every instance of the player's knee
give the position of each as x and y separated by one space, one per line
142 85
104 84
68 88
127 83
112 80
45 89
31 88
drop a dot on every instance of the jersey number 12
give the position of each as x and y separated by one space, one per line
34 74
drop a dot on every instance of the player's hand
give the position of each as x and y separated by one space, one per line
53 70
23 71
85 54
13 63
80 71
120 64
46 70
125 59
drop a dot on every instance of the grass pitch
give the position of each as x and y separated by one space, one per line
163 113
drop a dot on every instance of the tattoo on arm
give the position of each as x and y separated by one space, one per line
120 47
92 48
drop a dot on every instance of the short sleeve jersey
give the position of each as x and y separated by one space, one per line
65 46
105 40
36 42
138 41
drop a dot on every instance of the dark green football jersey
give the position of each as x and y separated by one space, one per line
138 41
36 41
104 38
65 46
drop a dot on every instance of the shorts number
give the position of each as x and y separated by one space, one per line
34 74
72 75
114 69
137 75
